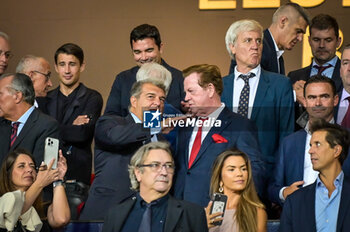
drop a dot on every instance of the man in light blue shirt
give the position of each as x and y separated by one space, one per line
322 206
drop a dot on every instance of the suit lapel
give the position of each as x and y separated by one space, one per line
123 213
263 87
336 76
310 211
344 203
81 92
52 103
229 88
5 132
26 128
300 153
225 121
174 213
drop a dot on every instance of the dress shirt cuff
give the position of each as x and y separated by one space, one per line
281 194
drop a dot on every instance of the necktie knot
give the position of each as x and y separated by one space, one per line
246 77
321 68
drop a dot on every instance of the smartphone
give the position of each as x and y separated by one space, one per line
219 205
51 151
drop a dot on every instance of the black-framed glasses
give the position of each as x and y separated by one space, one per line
48 75
7 54
157 167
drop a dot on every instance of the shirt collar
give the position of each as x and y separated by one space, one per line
278 51
344 95
136 119
26 115
256 71
338 182
331 62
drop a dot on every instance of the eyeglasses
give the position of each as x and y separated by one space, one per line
157 167
48 75
7 54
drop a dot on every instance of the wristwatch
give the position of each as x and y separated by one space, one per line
57 183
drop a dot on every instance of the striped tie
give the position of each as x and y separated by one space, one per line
14 132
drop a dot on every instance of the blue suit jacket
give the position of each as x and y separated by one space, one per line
193 184
269 56
299 210
273 110
289 166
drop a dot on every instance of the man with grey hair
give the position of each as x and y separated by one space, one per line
116 140
288 26
21 124
264 97
38 69
5 53
151 171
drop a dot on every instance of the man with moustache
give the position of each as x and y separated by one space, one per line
288 26
151 172
146 46
5 53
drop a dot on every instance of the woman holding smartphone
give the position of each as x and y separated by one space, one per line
232 176
21 185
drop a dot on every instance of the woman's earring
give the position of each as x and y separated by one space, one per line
221 189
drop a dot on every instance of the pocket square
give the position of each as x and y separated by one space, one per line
218 138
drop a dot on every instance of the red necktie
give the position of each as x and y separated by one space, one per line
14 132
346 120
321 68
196 144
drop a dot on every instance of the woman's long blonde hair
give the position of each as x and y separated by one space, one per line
246 212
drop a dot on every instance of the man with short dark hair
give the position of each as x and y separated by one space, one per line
324 39
116 140
151 171
76 108
213 130
146 47
324 205
293 167
288 26
5 52
21 124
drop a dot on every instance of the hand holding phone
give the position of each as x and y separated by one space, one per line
218 206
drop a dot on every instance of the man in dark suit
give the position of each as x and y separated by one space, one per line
116 140
77 109
288 26
324 40
215 130
21 124
146 47
324 205
293 167
343 110
264 97
38 69
151 172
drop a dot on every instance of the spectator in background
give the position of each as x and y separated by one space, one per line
5 52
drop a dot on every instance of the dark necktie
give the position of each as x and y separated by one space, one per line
321 68
14 132
244 97
146 222
281 63
196 144
346 120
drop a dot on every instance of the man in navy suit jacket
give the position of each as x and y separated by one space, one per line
146 47
293 166
196 152
288 26
324 205
270 105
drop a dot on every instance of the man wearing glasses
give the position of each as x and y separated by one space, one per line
38 69
151 171
5 53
